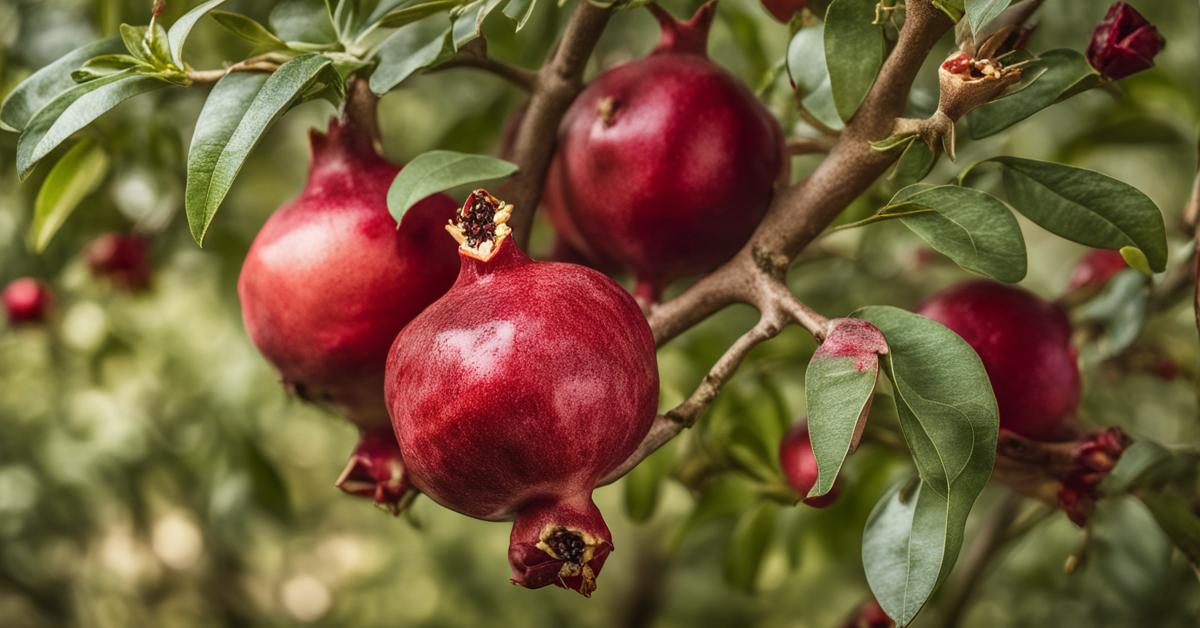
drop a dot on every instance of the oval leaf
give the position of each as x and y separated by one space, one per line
950 420
438 171
75 176
303 21
854 50
248 29
810 75
980 12
74 109
838 384
42 86
411 48
183 27
1086 207
241 107
1057 75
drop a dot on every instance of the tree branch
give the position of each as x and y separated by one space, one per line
557 84
262 63
474 55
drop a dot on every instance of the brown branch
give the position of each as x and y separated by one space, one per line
474 55
262 63
810 145
557 84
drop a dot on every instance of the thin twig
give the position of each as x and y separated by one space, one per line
810 145
268 62
474 55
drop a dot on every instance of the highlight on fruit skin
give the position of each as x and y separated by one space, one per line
517 391
1025 345
329 281
664 165
27 301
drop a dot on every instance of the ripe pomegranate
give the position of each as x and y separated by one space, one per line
665 165
330 281
783 10
514 393
121 258
1095 270
1025 345
800 466
27 300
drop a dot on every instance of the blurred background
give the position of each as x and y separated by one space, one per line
153 472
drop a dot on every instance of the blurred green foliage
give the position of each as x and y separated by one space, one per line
154 473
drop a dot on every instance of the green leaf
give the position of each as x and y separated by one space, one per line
854 51
410 14
248 29
519 11
1177 519
104 65
949 418
153 52
466 26
42 86
915 163
75 176
1056 75
240 108
438 171
980 12
1086 207
183 27
838 384
810 75
304 21
643 485
748 546
74 109
409 49
971 227
953 8
1119 312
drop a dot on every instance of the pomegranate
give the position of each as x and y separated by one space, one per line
329 282
121 258
27 300
665 165
514 393
800 466
1095 270
783 10
869 615
1025 345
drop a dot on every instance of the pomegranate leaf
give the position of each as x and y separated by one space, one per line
980 12
810 75
42 86
183 27
75 176
1177 518
438 171
74 109
1056 76
839 383
949 418
303 21
249 29
411 48
854 49
1086 206
240 108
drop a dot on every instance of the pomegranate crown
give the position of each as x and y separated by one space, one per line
678 36
480 225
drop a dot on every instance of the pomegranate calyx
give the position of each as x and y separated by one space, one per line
376 470
680 37
480 225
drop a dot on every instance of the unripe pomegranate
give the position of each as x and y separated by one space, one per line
330 281
1095 270
518 390
121 258
1025 345
800 466
666 164
27 300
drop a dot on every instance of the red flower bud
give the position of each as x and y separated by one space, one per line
1124 43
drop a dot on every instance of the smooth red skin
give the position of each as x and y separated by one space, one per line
1124 43
783 10
526 382
122 258
800 466
27 300
330 281
680 177
1096 269
1025 345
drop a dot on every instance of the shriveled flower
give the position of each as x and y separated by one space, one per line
1124 43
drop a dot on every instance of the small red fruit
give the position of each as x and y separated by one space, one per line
517 391
121 258
330 281
869 615
27 300
783 10
666 164
800 466
1025 345
1095 270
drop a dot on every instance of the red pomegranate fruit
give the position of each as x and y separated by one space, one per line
330 281
27 300
869 615
783 10
122 258
518 390
1025 345
800 466
1095 270
664 165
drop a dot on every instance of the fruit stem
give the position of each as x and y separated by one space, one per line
679 37
360 113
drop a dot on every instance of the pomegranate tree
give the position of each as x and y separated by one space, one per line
518 390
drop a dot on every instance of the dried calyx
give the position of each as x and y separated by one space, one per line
480 225
376 471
